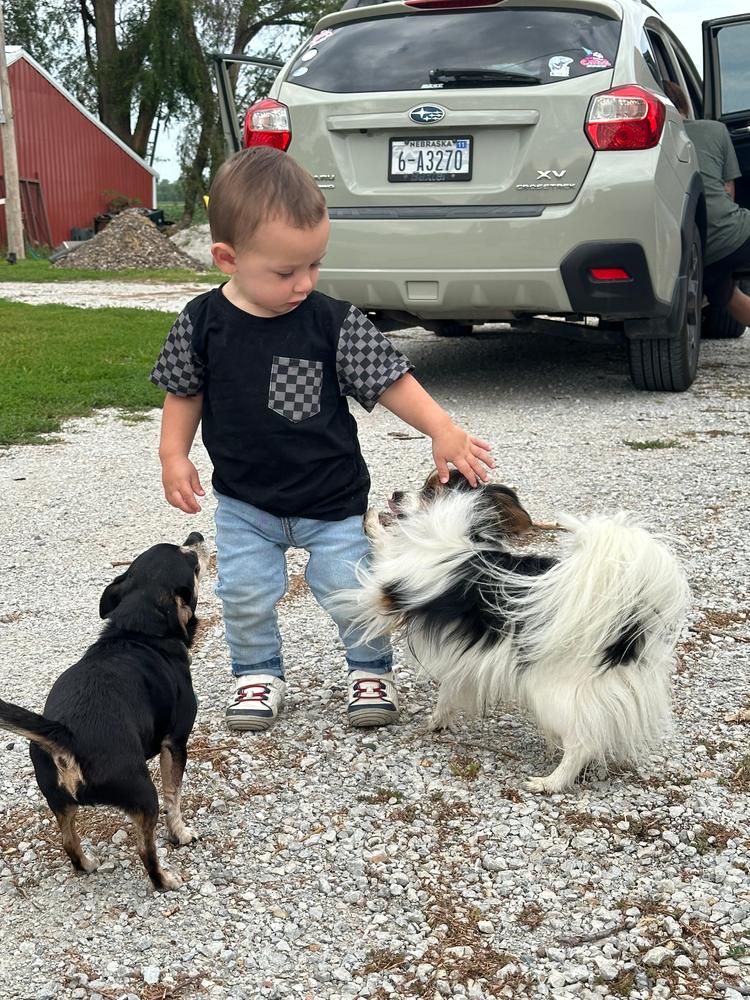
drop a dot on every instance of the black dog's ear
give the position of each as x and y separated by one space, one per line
181 611
113 594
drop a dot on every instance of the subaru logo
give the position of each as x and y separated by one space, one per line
426 114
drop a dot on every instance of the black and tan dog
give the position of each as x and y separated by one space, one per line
127 699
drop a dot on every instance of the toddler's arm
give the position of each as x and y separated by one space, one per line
416 407
179 422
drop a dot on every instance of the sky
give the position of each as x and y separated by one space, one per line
684 17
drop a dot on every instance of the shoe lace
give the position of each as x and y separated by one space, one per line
369 688
253 692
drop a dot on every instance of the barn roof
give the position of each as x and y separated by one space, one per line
15 52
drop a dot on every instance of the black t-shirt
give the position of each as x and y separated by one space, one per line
275 419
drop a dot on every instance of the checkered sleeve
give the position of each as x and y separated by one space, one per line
367 363
178 369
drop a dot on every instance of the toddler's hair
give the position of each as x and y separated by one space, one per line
259 184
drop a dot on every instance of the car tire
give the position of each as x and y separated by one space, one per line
670 364
452 328
719 325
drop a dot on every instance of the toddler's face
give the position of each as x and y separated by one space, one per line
278 270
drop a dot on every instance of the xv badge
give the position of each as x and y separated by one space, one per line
549 174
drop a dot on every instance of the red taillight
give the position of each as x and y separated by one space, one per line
609 274
267 124
625 118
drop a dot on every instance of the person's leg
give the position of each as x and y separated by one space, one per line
719 284
250 546
336 548
738 306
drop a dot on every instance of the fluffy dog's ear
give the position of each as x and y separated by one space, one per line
512 518
112 595
433 486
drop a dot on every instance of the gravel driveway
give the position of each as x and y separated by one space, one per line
338 864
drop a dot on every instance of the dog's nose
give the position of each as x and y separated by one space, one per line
193 539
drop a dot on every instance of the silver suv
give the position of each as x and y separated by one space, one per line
511 160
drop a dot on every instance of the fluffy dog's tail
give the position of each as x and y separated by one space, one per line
616 591
596 636
53 737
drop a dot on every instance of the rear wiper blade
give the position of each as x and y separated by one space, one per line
466 75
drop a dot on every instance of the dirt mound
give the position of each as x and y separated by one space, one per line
130 240
195 241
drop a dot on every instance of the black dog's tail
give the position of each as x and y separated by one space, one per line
53 737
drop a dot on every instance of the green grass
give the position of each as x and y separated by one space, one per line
41 270
173 211
655 444
59 362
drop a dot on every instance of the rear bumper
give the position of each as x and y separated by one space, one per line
612 299
488 294
446 264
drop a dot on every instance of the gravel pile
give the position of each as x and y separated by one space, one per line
196 241
130 240
335 864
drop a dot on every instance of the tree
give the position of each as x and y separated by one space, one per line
231 28
143 61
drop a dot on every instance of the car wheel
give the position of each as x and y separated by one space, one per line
452 328
670 364
719 325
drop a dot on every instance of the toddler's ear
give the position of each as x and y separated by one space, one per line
224 257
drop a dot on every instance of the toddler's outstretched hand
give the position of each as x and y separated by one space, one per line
469 454
182 484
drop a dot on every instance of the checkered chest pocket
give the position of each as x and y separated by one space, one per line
295 388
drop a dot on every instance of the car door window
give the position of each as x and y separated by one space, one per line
663 57
733 41
649 58
690 79
667 66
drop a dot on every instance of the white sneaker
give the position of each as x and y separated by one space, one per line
373 699
257 701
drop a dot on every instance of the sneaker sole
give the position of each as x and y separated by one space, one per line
241 725
363 718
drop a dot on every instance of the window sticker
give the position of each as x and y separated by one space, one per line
595 60
310 54
320 37
560 66
300 71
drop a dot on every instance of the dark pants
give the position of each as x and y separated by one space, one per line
718 278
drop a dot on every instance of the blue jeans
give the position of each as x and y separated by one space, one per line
250 547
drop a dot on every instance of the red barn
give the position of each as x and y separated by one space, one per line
67 154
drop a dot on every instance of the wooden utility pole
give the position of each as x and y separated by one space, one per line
13 219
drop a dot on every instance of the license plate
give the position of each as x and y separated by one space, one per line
436 158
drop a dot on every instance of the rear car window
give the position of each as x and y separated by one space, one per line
445 50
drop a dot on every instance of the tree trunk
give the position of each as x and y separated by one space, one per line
114 105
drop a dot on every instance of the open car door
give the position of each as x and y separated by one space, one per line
726 87
726 98
226 86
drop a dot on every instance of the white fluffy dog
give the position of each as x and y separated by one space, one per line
585 643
